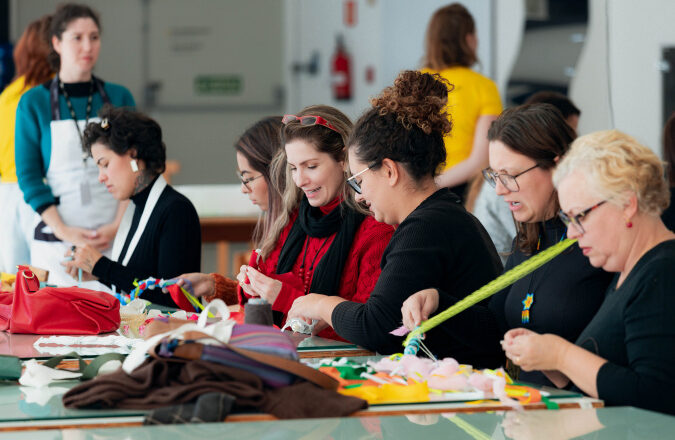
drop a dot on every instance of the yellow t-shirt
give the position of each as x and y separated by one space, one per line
9 101
474 96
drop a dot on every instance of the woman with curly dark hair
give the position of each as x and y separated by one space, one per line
159 235
394 153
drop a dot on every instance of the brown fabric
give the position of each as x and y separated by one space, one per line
158 383
303 371
226 289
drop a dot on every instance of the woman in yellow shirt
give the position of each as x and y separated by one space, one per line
473 102
32 68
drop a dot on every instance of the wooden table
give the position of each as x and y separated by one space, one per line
223 231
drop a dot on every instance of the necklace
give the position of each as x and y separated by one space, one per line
306 274
529 296
72 111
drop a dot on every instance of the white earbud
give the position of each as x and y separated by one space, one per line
134 165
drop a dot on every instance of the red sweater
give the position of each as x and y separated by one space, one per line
359 275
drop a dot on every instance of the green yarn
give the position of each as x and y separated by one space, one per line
494 286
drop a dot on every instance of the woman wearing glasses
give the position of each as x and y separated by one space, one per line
321 241
255 149
612 193
561 297
394 154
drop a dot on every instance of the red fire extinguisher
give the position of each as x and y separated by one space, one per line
341 74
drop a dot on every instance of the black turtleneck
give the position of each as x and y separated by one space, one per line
567 293
169 246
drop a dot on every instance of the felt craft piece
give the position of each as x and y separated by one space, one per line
407 378
492 287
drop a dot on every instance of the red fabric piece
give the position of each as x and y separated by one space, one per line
180 299
359 276
56 310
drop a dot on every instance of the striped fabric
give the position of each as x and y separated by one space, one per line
258 338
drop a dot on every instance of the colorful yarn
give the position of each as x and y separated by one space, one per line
491 288
152 283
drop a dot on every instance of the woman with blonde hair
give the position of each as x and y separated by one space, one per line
473 102
612 192
32 68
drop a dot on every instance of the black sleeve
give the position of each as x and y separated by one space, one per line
647 381
178 240
416 259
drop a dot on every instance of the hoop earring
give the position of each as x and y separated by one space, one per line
134 165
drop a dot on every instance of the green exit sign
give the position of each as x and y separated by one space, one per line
218 84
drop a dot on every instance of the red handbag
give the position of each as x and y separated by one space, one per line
56 310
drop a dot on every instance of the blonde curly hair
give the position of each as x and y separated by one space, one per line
616 165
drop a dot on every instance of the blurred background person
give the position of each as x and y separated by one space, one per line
32 68
57 179
473 102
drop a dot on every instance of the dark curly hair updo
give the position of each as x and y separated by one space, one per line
122 130
406 124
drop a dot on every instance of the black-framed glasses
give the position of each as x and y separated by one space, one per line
351 181
575 220
246 180
507 180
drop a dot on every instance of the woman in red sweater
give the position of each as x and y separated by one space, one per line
322 242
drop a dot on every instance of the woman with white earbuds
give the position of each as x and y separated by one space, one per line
159 235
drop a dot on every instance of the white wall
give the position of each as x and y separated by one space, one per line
200 139
627 93
388 36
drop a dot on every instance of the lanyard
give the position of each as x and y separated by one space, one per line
74 116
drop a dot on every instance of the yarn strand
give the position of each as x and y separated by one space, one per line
506 279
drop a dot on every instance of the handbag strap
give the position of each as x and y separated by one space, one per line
89 371
293 367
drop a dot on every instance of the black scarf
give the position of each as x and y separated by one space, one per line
342 220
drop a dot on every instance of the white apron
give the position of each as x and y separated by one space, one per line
125 225
66 175
17 222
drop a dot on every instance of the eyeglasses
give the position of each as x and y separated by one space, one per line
576 219
507 180
307 121
245 181
356 186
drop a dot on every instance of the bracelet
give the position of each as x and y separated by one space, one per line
225 289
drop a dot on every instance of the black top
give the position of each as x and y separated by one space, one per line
668 216
169 246
439 245
634 330
567 293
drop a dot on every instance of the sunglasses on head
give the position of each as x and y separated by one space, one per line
307 121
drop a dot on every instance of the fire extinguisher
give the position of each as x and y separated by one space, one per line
341 74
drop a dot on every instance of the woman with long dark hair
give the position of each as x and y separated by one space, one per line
473 101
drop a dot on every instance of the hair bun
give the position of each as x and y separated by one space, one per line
418 99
